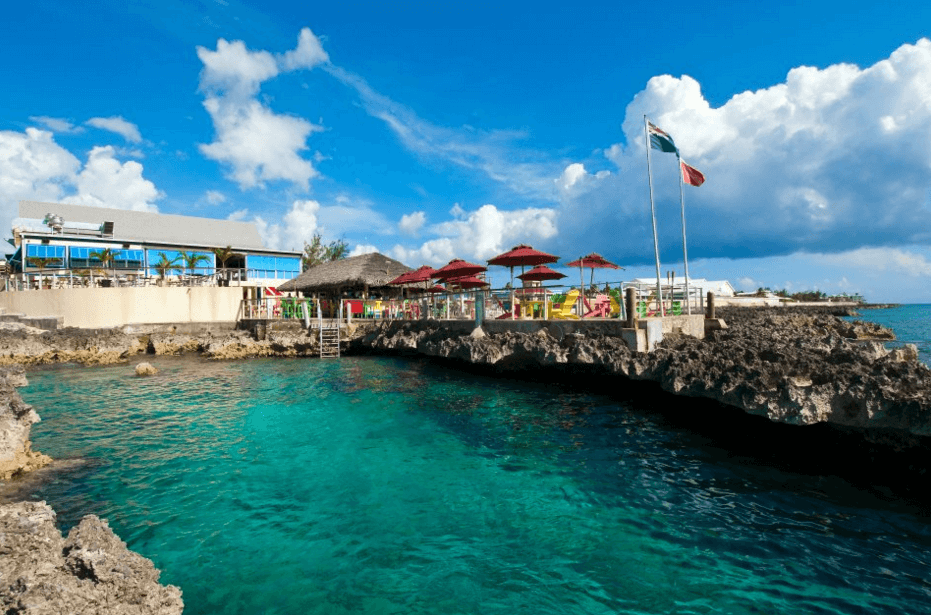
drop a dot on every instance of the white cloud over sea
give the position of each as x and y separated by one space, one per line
828 161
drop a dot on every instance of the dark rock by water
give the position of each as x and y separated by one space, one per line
798 367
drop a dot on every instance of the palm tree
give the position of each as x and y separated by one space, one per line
223 255
40 263
163 266
192 259
106 256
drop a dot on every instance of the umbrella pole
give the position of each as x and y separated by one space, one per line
513 307
581 289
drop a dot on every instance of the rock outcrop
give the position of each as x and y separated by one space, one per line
16 420
111 346
791 366
89 572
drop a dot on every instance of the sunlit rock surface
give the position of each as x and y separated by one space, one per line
90 572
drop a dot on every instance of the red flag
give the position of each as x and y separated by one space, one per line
691 175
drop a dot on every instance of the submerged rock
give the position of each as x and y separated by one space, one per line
145 369
91 572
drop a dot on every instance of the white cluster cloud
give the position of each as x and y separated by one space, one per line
119 125
411 223
362 248
105 182
480 234
894 261
305 218
257 144
34 167
826 161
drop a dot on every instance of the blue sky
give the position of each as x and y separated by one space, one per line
428 131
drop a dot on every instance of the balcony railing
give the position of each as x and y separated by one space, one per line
100 278
549 302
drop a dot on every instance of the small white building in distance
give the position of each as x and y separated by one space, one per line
720 288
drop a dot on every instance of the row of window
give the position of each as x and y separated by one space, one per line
258 266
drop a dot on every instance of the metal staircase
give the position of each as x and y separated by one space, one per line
329 342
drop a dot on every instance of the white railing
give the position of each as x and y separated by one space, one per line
544 302
101 278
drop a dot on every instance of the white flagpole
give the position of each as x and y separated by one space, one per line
659 287
685 252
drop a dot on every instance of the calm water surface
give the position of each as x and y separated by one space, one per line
911 323
389 486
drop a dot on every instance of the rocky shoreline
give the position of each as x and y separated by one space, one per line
800 367
91 571
793 367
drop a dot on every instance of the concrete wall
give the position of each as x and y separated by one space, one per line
115 307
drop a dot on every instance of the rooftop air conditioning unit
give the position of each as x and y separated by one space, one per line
106 229
54 222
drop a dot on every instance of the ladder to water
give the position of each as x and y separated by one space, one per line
329 342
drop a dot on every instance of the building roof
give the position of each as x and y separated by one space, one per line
354 273
149 227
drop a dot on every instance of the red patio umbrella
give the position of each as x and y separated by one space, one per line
592 261
422 274
521 256
541 273
458 268
466 282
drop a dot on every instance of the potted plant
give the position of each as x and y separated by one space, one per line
42 264
191 260
163 266
223 256
106 257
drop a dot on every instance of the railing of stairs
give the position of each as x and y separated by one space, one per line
329 336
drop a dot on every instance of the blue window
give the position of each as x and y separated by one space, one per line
273 267
82 258
53 255
204 267
288 267
128 259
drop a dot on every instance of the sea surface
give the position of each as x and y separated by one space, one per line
395 486
911 323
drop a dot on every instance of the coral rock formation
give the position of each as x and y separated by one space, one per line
91 572
145 369
16 419
791 366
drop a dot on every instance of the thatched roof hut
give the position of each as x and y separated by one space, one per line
356 273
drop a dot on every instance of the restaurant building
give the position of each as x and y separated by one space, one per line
63 238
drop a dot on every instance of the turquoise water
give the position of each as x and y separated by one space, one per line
911 323
390 486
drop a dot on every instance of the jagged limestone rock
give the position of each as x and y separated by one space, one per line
91 572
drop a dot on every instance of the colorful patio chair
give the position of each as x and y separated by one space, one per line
563 311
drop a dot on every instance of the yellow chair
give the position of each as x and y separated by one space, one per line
615 308
564 310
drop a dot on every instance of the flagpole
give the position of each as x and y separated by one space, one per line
685 252
659 287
